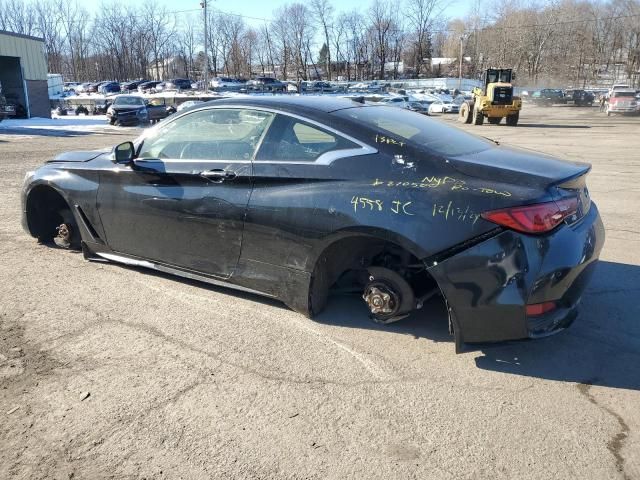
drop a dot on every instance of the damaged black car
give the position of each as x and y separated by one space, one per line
291 197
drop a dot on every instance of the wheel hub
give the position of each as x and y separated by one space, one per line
380 299
63 238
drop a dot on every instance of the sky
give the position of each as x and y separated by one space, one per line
255 10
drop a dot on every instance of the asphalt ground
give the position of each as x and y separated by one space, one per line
112 372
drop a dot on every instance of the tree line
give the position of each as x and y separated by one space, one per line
577 42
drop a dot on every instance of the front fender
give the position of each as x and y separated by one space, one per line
78 187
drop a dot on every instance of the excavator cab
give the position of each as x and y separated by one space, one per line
497 75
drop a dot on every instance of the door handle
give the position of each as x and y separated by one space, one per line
218 175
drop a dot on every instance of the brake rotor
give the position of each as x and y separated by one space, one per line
63 238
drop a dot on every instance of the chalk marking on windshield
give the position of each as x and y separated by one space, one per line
388 140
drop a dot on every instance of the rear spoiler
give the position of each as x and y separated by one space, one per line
577 181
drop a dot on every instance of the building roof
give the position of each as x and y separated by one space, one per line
30 52
20 35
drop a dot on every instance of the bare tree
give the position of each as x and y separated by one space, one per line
421 15
161 32
323 14
188 43
382 21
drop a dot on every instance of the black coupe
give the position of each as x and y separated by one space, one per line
290 197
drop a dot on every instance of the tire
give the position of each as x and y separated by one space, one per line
512 120
478 118
494 120
464 116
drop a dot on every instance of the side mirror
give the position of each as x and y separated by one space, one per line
124 153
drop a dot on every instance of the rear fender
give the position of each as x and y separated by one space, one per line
486 288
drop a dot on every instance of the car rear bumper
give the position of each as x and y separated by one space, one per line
626 109
488 286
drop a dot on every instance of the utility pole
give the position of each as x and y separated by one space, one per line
203 4
460 71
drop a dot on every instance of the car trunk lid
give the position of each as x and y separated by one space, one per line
518 167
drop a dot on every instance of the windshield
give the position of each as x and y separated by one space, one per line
416 129
134 101
624 94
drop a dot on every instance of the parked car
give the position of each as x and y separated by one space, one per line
132 86
158 109
128 110
13 106
146 87
82 88
291 87
419 106
71 87
177 84
623 101
580 98
187 104
265 84
548 96
443 104
5 109
225 83
618 86
401 102
93 87
109 87
335 194
318 87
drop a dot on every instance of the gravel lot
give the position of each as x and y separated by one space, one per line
113 372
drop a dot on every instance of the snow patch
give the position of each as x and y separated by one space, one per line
71 123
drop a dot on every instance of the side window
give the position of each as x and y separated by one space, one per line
213 134
290 139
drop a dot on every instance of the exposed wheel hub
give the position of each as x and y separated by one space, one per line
382 301
63 238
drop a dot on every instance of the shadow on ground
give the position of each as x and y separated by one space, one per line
602 347
546 125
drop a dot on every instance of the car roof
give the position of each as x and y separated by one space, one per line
291 103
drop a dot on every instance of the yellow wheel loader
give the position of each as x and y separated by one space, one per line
493 101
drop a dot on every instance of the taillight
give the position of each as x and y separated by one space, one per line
536 309
538 218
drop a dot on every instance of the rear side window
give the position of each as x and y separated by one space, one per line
415 129
290 139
